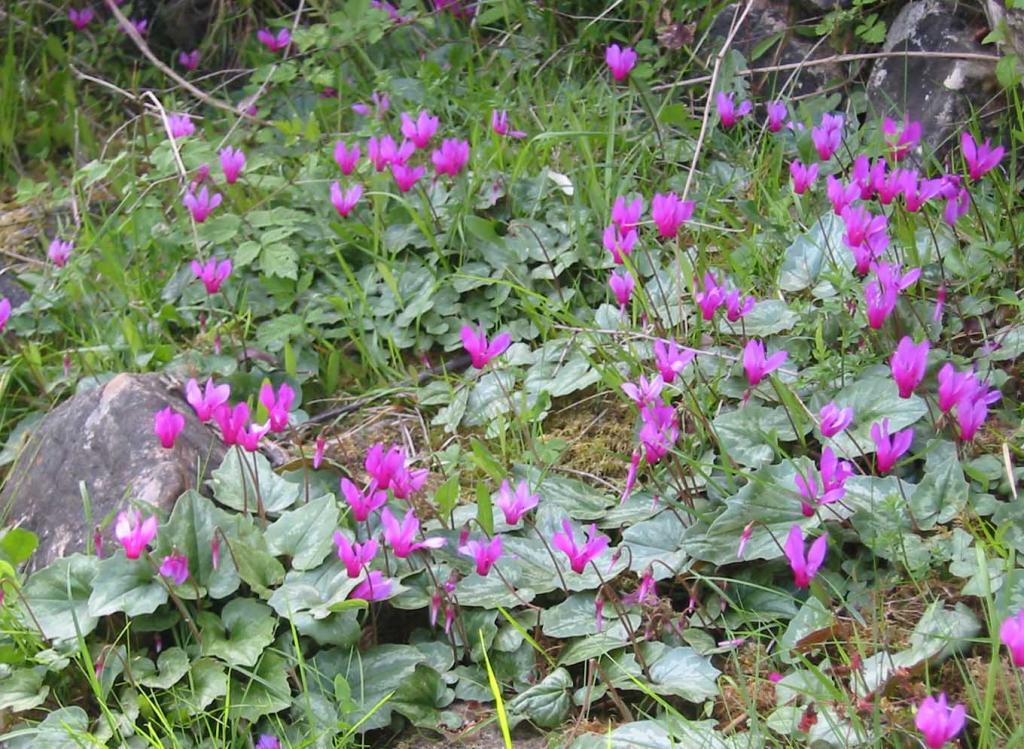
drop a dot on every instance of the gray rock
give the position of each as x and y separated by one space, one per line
940 93
104 438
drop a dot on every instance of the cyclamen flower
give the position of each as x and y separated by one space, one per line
134 533
834 419
622 286
804 567
383 466
362 503
981 158
346 158
728 112
866 235
189 60
756 365
267 741
882 293
659 431
451 157
895 183
938 722
631 472
626 216
318 452
956 206
840 195
710 298
232 421
644 391
828 135
669 213
776 115
345 202
274 42
620 61
407 176
888 448
579 556
59 251
954 386
250 435
232 161
277 406
354 555
420 130
375 587
380 102
833 474
670 360
480 351
1011 633
141 25
180 125
972 410
384 152
646 592
908 364
901 138
485 554
515 504
867 174
499 124
619 244
80 18
175 567
212 273
5 313
201 205
405 483
399 536
737 307
803 176
205 403
167 425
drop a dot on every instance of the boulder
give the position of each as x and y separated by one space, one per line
103 438
940 93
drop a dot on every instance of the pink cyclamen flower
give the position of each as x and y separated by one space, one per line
895 183
451 157
631 473
882 293
375 587
620 244
232 161
515 504
834 419
362 503
737 307
383 466
383 152
346 158
888 448
659 431
167 425
644 391
908 364
728 112
189 60
274 42
267 741
939 722
866 235
834 472
5 312
59 251
828 135
956 206
620 61
499 124
355 556
626 216
1011 633
756 365
622 287
80 18
776 115
972 410
318 452
134 533
202 174
180 125
250 435
646 592
141 25
710 298
201 205
175 567
803 176
345 202
420 130
917 192
399 536
669 213
804 567
405 482
205 403
278 406
954 386
745 536
407 176
579 556
485 554
981 158
212 273
232 421
840 195
480 351
670 359
901 138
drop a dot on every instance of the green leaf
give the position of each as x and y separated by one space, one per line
278 259
656 543
768 317
420 697
194 524
172 665
240 634
305 534
232 484
259 693
575 498
315 591
873 399
23 690
546 704
256 565
749 433
677 671
811 625
62 728
484 509
128 585
447 496
373 676
59 597
576 616
207 680
942 493
17 545
219 229
805 257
